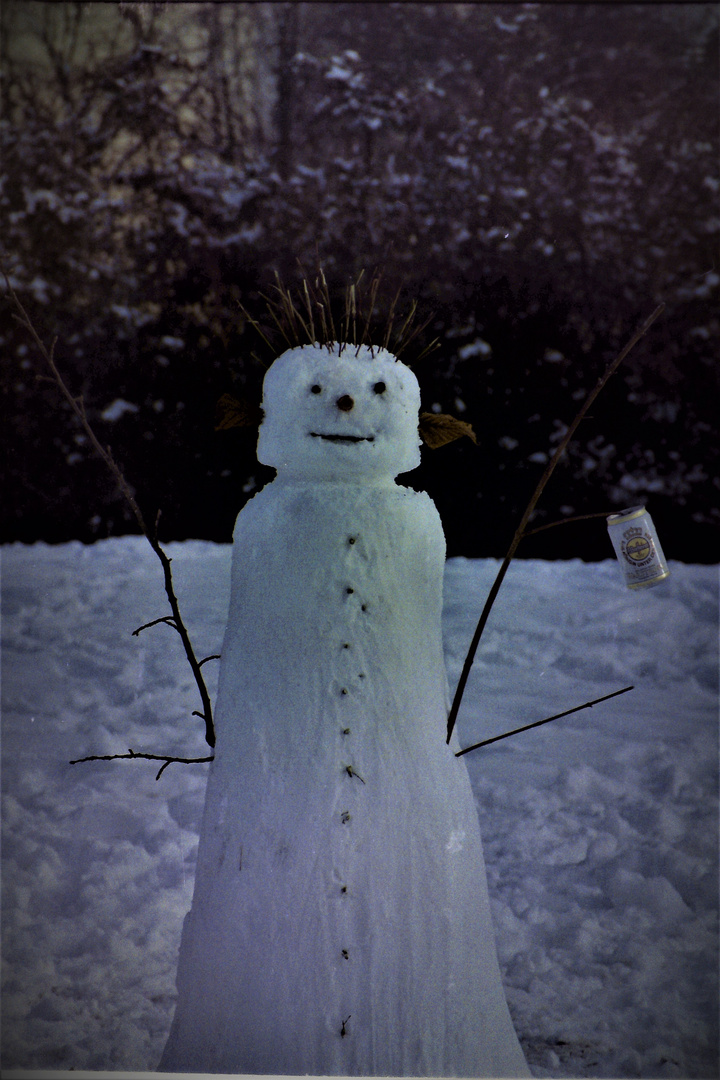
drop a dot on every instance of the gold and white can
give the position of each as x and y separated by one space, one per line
637 547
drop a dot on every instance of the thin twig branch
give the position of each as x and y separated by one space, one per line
213 656
78 407
538 723
520 531
164 619
149 757
568 521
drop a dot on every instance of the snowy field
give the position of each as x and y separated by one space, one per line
600 830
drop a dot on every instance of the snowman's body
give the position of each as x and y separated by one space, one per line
340 921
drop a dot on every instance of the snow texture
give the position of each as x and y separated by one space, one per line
600 830
341 920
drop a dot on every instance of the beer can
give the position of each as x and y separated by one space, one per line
637 547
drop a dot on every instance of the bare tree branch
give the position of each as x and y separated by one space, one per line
520 531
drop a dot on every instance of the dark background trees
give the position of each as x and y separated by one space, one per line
539 177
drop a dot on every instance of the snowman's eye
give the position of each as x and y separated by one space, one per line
316 388
379 387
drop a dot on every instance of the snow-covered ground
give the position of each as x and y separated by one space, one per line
600 829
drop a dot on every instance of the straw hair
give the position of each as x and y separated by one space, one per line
311 317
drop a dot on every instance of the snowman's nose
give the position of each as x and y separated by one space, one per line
345 403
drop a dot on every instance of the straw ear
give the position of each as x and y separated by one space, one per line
231 412
438 429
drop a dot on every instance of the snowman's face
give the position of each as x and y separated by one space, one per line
340 413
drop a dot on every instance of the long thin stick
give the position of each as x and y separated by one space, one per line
149 757
568 521
78 407
538 723
520 531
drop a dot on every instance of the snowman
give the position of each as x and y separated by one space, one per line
340 923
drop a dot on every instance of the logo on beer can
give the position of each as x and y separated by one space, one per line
637 547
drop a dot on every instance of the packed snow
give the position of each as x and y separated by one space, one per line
350 414
341 921
600 830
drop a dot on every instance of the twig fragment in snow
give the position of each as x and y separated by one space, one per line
538 723
520 532
149 757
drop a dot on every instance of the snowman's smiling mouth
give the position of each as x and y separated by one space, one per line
343 438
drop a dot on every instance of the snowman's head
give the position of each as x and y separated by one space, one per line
340 412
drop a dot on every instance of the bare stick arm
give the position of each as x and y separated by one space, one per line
539 723
168 759
520 531
78 407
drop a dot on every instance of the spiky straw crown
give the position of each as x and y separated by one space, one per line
312 318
